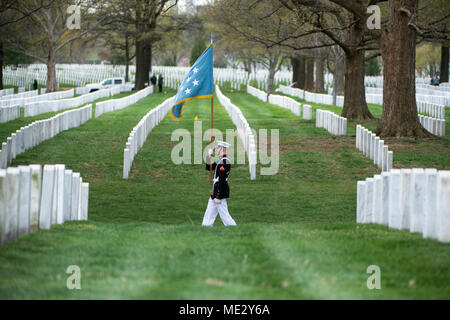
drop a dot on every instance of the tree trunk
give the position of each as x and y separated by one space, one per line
335 84
127 58
309 82
320 83
150 56
1 65
51 66
294 63
270 79
340 66
143 57
398 49
444 64
355 105
298 70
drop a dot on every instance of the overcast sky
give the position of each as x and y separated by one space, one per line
182 3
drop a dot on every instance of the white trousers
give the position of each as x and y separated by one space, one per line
220 208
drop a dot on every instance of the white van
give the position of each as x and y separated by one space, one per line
107 83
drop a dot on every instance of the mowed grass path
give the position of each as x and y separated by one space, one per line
296 236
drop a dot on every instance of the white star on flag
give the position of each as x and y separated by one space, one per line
195 70
195 82
188 79
187 91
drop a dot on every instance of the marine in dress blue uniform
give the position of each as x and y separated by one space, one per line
217 203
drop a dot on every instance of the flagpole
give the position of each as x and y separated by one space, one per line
212 108
210 160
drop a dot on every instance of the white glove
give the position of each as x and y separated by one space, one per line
210 152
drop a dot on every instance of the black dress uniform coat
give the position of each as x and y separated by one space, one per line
221 170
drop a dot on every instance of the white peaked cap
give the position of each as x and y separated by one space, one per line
223 144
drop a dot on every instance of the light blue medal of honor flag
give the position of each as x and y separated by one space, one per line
198 82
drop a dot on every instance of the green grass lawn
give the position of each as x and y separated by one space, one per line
296 236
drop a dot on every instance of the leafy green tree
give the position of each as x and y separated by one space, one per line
428 57
220 62
14 58
197 48
169 61
372 67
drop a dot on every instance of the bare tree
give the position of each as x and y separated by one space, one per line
251 21
345 24
48 30
12 13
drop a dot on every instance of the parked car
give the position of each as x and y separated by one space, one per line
107 83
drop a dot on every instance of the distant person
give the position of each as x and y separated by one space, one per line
153 82
436 80
35 84
160 82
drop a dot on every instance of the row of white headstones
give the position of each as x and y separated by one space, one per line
21 99
431 124
334 124
31 200
416 200
80 75
6 92
366 141
77 76
9 94
10 104
244 130
117 104
412 199
282 101
40 107
373 147
39 131
140 132
433 110
9 113
421 83
36 105
433 94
